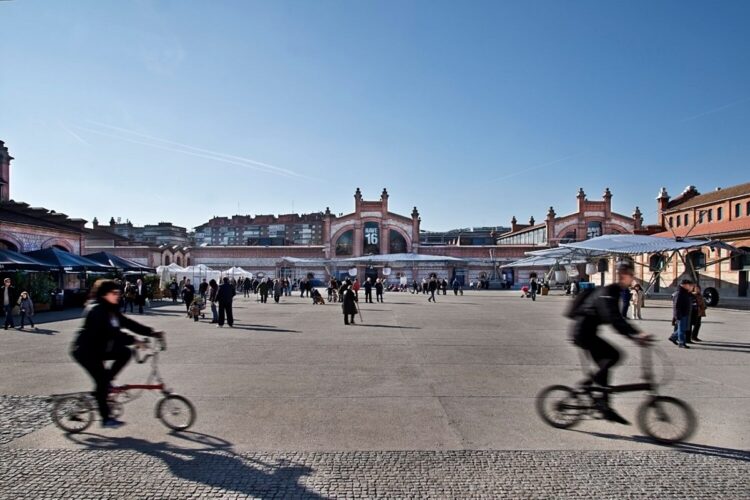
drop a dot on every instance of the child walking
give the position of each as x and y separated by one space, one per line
27 309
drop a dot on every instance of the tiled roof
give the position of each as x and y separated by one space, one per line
22 213
712 229
713 197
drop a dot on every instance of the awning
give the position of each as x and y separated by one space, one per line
65 261
636 244
120 263
15 261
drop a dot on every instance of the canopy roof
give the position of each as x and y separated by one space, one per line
120 263
17 261
635 244
238 271
400 257
60 259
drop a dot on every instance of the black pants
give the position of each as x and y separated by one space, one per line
368 295
379 296
348 318
695 322
432 296
128 302
102 375
263 297
604 355
9 316
225 309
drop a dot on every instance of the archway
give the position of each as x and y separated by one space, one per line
7 245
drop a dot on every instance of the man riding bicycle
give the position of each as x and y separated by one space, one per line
101 339
601 307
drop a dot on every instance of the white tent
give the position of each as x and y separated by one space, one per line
237 272
198 273
166 273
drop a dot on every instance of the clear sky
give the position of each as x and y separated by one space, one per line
473 111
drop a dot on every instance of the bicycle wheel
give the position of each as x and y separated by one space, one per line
176 412
666 419
73 413
560 406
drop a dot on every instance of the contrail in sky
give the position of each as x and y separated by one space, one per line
715 110
209 155
76 136
536 167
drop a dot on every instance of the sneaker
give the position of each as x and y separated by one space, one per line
684 346
613 416
673 340
112 423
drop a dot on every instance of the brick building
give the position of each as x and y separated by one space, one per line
722 214
163 233
261 230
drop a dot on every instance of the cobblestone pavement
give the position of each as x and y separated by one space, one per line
138 469
21 415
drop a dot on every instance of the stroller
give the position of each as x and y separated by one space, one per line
525 292
196 309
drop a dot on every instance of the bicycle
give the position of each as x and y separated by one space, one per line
563 407
74 412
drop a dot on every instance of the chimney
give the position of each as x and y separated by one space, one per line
581 196
415 220
531 221
95 223
513 224
637 219
607 197
662 202
5 159
384 201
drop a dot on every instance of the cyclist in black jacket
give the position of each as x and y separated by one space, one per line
598 308
101 339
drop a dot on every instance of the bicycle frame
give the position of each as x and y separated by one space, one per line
648 385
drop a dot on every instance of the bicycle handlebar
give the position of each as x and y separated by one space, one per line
152 351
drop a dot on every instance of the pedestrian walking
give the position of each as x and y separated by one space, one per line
433 285
532 287
26 306
697 314
682 304
129 299
349 306
174 290
277 290
213 290
368 291
263 290
224 297
636 299
379 290
188 294
10 297
141 294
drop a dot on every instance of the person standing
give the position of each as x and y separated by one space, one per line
379 290
277 290
174 290
202 289
355 287
532 287
349 306
368 291
636 298
263 290
141 292
188 294
682 304
182 285
10 297
224 297
433 288
26 306
129 296
625 298
696 317
456 285
213 290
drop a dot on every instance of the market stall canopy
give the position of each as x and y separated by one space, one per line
551 256
238 271
120 263
65 261
400 257
15 261
636 244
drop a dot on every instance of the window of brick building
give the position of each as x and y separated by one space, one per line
710 214
679 221
687 219
671 222
719 213
737 210
747 208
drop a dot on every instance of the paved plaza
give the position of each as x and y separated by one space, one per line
421 400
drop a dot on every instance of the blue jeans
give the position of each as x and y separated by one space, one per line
682 330
214 313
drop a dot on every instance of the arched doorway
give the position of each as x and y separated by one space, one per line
7 245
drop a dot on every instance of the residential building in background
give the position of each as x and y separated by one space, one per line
261 230
163 233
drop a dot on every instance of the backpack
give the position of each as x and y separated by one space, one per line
581 305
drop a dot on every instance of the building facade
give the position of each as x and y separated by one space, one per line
722 214
261 230
163 233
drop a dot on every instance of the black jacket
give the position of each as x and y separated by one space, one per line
349 305
12 295
682 303
102 330
225 293
602 307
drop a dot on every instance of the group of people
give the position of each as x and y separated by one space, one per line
13 299
219 296
688 311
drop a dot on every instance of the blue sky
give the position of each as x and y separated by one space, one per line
473 111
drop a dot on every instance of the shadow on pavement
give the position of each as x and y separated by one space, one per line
38 331
263 328
390 326
696 449
214 464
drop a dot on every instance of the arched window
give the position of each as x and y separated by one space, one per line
737 210
679 221
719 213
7 245
178 260
167 260
687 219
345 243
397 243
594 229
697 259
671 222
657 263
187 261
569 237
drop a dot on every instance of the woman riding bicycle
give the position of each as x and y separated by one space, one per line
101 339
